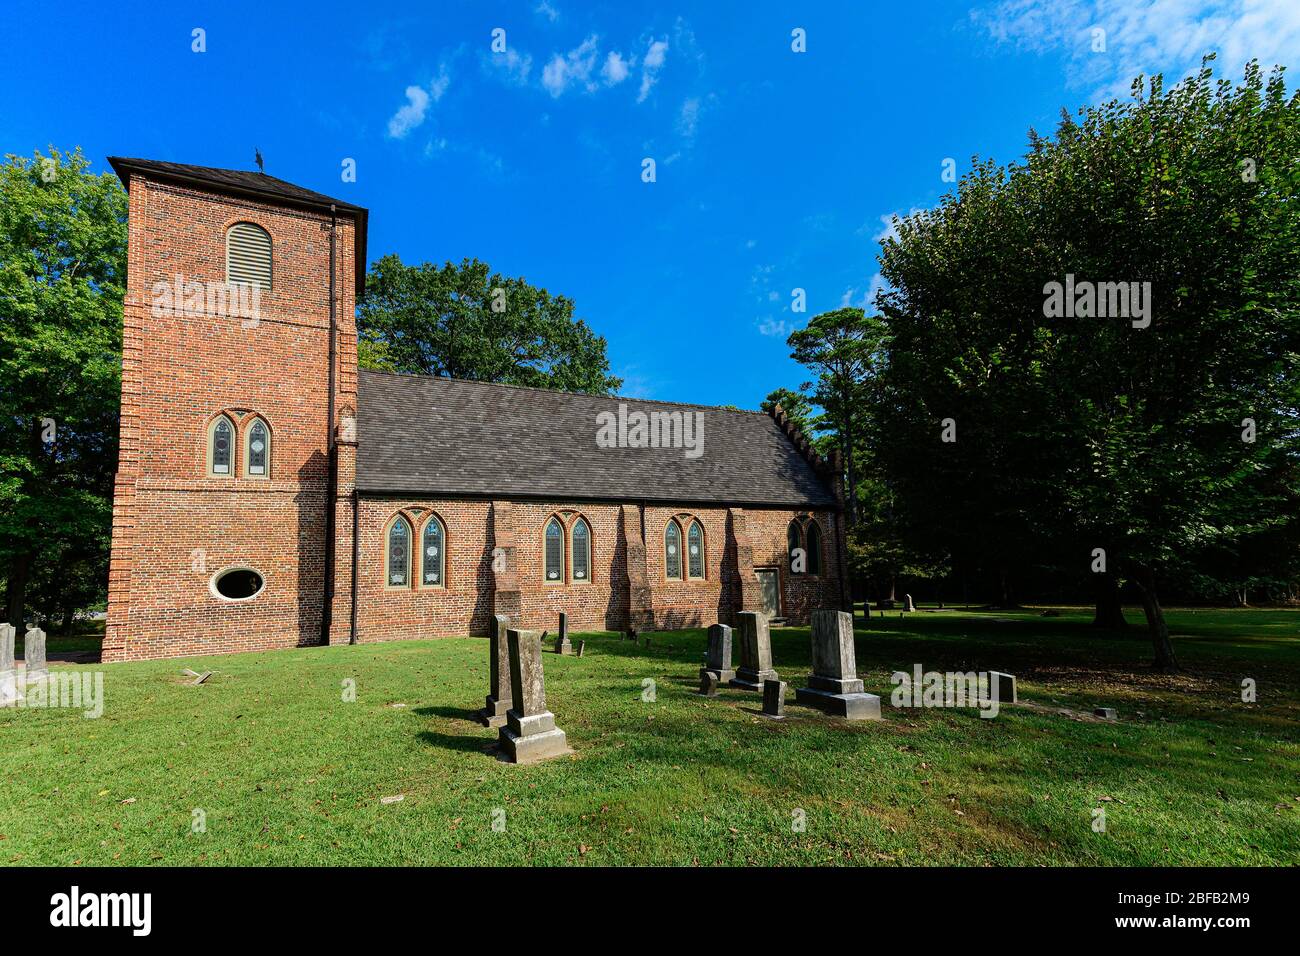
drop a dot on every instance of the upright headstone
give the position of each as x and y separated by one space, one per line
755 652
9 692
530 733
562 644
908 605
708 684
34 655
717 657
834 686
631 634
582 646
774 699
498 698
1004 685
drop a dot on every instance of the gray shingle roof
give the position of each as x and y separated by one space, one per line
441 436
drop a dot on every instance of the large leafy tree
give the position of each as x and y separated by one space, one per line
1082 436
62 276
465 321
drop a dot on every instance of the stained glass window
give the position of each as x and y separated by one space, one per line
554 552
399 553
223 434
673 551
431 552
792 545
695 550
259 447
581 551
814 548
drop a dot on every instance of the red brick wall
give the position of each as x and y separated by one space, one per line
464 603
178 373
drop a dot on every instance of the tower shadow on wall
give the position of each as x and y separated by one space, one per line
618 607
313 488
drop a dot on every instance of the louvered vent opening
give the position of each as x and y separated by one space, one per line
248 255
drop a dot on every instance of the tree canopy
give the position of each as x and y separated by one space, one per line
465 321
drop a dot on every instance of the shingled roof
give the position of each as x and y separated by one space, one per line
253 185
440 436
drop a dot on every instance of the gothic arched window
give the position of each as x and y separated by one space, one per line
432 553
814 534
673 551
257 449
398 563
695 551
554 552
221 447
792 546
580 540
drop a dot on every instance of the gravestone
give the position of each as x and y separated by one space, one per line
1004 685
9 692
529 734
498 698
834 686
1106 713
34 655
582 646
708 684
562 644
755 652
717 657
907 603
631 634
774 699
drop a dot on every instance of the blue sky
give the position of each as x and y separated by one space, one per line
776 170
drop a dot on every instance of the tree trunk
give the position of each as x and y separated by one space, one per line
19 568
1156 626
1110 610
893 581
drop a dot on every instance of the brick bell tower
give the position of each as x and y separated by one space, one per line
233 500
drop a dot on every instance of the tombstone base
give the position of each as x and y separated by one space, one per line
532 746
722 676
853 706
10 694
494 713
564 647
835 685
752 680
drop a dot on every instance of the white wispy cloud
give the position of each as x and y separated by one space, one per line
1146 36
511 64
651 64
575 67
616 68
547 10
411 115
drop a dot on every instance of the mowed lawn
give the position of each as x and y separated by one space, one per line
285 771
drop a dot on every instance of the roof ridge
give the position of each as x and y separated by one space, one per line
557 391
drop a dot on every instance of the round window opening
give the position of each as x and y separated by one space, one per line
237 584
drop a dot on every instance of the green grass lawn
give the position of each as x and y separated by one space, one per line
287 772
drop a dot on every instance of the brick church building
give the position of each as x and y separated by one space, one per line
268 494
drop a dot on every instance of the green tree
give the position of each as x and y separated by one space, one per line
797 408
62 276
465 321
1086 437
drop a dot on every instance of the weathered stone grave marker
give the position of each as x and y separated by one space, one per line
34 655
1004 686
834 686
755 652
774 699
717 656
9 692
529 734
708 684
562 644
493 713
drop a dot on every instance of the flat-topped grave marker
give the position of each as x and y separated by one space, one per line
529 734
717 656
774 699
493 713
834 686
755 652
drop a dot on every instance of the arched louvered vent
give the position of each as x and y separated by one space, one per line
248 255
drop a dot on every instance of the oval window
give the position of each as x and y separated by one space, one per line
237 584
